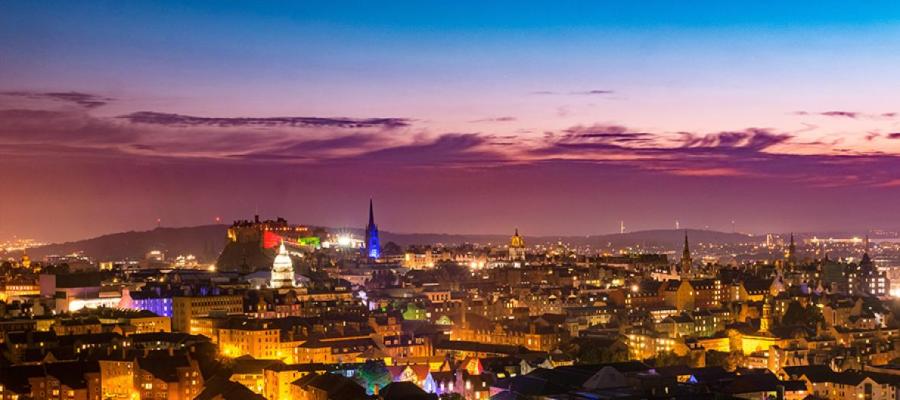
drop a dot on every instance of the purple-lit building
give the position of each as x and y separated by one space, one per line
158 302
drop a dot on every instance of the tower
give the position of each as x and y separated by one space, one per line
766 319
26 261
373 246
868 278
516 247
282 269
792 252
686 260
866 260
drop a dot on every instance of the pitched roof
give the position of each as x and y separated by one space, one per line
250 365
72 373
164 368
336 386
405 391
757 286
224 389
462 345
531 385
760 382
814 373
79 280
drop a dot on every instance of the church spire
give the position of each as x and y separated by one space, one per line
373 244
686 260
792 252
866 260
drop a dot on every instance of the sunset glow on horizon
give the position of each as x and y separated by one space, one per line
462 118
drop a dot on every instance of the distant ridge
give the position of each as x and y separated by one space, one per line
207 241
657 237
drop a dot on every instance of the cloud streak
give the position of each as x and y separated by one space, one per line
590 92
84 100
751 153
746 153
299 140
848 114
178 120
495 119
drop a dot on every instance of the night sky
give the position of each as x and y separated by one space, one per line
556 118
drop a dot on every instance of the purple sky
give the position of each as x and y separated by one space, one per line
461 120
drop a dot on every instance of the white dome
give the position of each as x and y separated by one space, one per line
282 259
282 269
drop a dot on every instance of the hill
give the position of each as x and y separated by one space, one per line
206 242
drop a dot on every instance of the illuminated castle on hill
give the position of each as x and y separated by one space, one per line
253 244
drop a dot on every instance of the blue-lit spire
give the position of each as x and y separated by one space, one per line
373 246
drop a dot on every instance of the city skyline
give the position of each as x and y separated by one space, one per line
473 119
356 200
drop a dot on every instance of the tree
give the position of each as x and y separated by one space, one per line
451 272
728 361
391 248
797 315
382 279
669 358
373 375
414 312
716 358
596 351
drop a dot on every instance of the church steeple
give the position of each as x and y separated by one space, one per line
866 260
686 260
792 252
373 245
